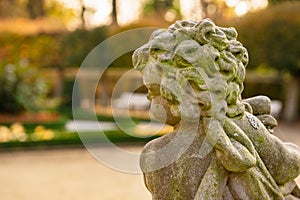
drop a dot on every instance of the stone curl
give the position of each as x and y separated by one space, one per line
181 52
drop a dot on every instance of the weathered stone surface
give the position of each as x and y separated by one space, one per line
222 146
260 105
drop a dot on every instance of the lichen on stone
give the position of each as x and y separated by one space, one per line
222 146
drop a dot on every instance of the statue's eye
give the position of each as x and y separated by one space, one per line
217 58
155 52
225 72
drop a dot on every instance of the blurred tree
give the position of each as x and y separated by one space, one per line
5 8
82 13
214 9
33 9
272 2
114 13
84 10
56 50
12 8
74 47
272 38
36 8
161 8
23 88
59 12
61 51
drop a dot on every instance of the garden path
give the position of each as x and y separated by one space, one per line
72 173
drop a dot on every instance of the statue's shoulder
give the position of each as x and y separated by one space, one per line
152 157
158 143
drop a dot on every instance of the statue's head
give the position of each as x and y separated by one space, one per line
193 65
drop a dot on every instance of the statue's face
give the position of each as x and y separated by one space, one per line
174 78
161 110
153 74
196 64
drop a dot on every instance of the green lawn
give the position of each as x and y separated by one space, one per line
64 138
37 134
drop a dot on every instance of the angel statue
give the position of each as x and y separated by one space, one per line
222 146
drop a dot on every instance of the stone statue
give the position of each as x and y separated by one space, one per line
222 147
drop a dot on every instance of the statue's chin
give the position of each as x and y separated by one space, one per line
160 111
157 112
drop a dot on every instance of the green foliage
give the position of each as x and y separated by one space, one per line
57 10
272 37
41 50
62 137
34 9
279 1
9 8
159 8
22 88
260 83
76 45
152 6
50 50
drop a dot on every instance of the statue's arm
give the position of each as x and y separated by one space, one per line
281 159
233 148
260 106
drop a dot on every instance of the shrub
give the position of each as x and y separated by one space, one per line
76 45
22 88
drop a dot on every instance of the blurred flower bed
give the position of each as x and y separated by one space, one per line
17 133
36 135
45 135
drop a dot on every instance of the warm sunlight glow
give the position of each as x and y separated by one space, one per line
231 3
75 6
170 15
70 3
129 10
191 9
98 12
258 4
242 8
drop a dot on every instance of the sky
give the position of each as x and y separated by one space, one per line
129 10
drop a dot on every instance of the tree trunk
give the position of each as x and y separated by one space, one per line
161 6
103 96
290 113
36 8
59 83
82 13
114 14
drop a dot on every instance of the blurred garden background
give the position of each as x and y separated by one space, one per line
44 42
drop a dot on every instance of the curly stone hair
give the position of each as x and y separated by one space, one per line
198 59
